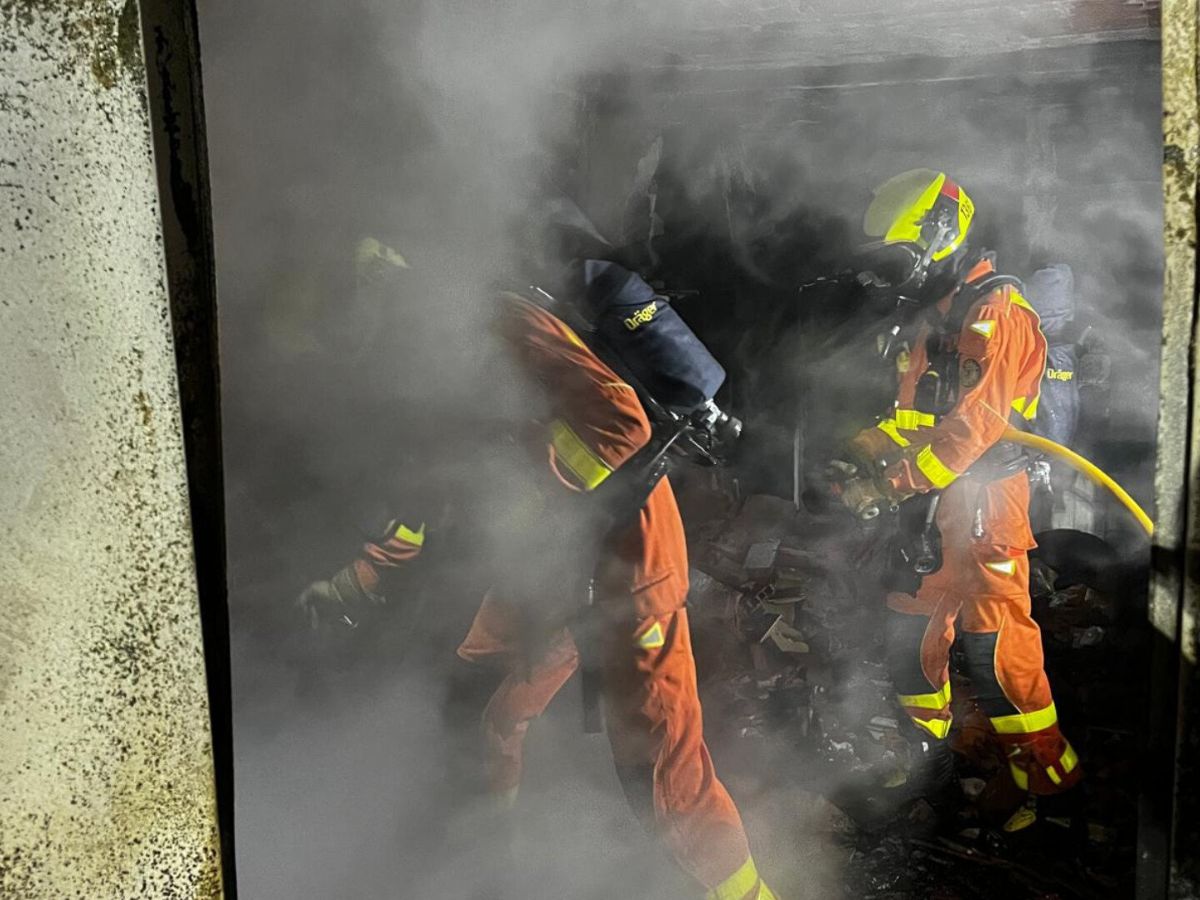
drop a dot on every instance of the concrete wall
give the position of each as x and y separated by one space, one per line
106 775
1170 807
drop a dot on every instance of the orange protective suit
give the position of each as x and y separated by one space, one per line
983 584
649 678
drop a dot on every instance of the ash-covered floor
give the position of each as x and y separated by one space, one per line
357 773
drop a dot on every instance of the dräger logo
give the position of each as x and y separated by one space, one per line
642 316
1060 374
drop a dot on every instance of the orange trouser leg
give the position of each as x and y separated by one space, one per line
522 696
533 676
654 726
920 631
1003 647
655 723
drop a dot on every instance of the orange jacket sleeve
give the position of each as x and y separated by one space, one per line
996 347
596 425
401 547
597 420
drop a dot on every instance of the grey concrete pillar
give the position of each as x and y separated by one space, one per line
1169 808
106 766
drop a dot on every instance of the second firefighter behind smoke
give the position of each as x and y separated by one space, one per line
973 364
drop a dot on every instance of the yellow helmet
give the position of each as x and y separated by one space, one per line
922 208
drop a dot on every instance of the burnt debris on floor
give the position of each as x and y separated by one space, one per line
786 611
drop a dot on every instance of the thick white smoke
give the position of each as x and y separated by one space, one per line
431 126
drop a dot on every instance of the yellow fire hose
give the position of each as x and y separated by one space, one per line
1088 468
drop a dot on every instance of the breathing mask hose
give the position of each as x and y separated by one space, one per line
1088 468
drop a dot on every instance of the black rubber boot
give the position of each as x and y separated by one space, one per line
932 772
934 799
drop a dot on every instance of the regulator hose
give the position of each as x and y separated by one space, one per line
1088 468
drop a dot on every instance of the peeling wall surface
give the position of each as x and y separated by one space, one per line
106 776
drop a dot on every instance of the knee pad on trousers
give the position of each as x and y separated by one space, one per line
980 653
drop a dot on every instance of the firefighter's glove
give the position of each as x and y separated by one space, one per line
839 471
847 482
867 453
339 602
867 497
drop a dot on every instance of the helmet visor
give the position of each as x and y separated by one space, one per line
888 266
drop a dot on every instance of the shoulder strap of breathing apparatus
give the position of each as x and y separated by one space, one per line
938 391
973 291
1001 460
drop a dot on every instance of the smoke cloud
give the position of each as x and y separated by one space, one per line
744 138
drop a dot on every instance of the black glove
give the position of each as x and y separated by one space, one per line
339 601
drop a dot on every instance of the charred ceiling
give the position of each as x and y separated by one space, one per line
790 32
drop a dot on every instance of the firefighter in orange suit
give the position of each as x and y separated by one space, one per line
975 363
594 424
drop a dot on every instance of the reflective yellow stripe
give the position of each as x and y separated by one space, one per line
1031 410
984 328
765 893
1023 303
1027 408
939 728
934 469
1021 819
416 538
1030 407
1020 776
1007 567
653 638
888 427
911 419
571 336
938 700
590 469
1026 723
1069 760
737 885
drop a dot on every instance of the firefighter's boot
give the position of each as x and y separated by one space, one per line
932 775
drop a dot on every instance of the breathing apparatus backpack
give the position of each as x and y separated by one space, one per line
637 334
1051 293
648 337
